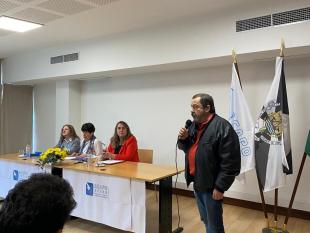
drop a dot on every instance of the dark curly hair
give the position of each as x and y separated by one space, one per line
40 204
206 100
88 127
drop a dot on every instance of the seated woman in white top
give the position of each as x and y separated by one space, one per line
90 144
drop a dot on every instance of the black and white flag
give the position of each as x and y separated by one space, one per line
273 155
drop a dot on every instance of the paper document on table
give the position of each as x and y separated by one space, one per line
111 161
70 157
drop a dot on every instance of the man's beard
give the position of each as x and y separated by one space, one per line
195 117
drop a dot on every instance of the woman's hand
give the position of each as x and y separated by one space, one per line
82 155
108 155
74 154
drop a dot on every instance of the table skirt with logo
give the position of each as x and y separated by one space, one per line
113 201
12 172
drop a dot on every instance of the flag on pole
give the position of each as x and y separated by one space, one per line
307 149
242 121
273 154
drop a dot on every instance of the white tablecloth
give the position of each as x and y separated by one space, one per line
114 201
11 172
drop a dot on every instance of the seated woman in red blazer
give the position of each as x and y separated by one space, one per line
123 145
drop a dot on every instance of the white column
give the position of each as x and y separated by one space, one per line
68 105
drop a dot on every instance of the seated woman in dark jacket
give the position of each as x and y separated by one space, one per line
123 145
69 139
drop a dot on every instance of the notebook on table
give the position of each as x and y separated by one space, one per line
110 161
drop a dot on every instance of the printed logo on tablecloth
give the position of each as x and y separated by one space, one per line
97 190
19 175
89 189
15 175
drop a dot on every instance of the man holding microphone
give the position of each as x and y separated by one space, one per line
212 159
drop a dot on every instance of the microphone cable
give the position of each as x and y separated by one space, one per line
175 183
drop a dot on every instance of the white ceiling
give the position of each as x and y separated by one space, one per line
75 20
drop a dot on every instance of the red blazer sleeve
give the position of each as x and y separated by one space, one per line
129 150
110 149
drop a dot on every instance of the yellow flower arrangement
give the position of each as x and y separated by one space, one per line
51 156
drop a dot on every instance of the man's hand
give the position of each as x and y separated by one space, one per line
217 195
183 133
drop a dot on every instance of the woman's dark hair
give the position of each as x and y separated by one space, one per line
72 132
115 140
39 204
206 100
88 127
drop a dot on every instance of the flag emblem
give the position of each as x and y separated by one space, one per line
272 124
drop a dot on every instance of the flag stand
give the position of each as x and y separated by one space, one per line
263 202
276 192
275 228
307 152
288 213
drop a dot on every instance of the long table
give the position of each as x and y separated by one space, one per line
126 176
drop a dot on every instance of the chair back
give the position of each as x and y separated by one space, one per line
145 155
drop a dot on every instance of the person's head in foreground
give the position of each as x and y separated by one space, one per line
40 204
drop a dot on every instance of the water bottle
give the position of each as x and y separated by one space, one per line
28 150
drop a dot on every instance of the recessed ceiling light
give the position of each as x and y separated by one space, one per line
17 25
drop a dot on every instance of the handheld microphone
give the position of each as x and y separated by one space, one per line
188 123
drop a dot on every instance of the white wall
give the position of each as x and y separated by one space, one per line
45 116
157 105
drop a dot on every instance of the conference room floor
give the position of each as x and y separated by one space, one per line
236 219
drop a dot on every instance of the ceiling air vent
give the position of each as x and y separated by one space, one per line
275 19
291 16
253 23
58 59
71 57
65 58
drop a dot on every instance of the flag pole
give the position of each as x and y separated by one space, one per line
307 151
288 213
282 48
263 201
276 191
234 57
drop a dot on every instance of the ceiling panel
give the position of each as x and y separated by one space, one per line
36 16
69 7
25 1
6 5
101 2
